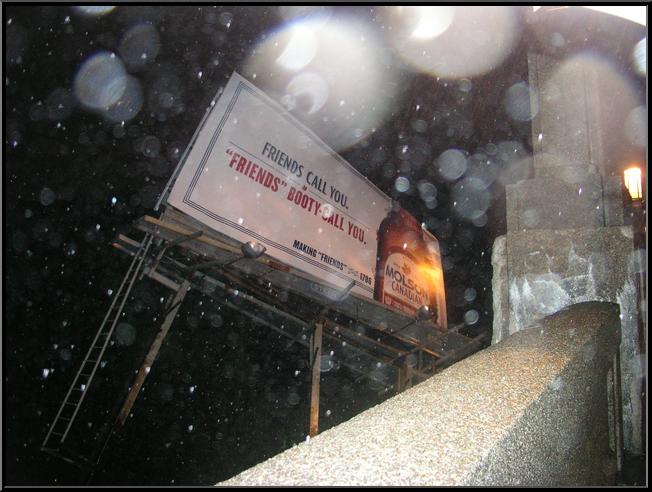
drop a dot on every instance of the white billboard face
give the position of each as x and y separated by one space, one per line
256 174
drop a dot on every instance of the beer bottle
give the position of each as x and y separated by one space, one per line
401 280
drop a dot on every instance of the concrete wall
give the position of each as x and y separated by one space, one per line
532 410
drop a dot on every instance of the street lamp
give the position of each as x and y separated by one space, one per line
633 182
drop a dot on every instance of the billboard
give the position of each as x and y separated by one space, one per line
255 173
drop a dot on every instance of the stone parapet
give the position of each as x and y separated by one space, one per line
531 410
539 272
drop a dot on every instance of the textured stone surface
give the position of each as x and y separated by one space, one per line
566 241
575 137
562 202
583 104
551 269
561 126
530 410
551 203
582 108
614 202
500 290
553 167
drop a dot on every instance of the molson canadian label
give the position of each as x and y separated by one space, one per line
408 266
404 287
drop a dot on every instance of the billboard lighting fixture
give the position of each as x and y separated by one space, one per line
252 250
424 313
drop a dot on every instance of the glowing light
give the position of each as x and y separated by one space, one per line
452 164
402 184
431 21
427 191
47 197
316 15
518 102
94 9
309 91
300 50
433 274
640 56
632 13
471 317
140 45
452 42
633 182
470 197
317 60
129 104
101 81
484 168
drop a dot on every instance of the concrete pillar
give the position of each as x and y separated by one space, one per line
567 240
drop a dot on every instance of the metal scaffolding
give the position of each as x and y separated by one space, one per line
189 256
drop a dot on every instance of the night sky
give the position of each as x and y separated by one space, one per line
224 393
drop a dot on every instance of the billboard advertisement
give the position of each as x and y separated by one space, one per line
255 173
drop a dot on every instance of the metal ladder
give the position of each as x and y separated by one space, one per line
67 413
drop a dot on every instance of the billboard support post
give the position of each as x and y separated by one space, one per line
315 352
404 378
171 312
